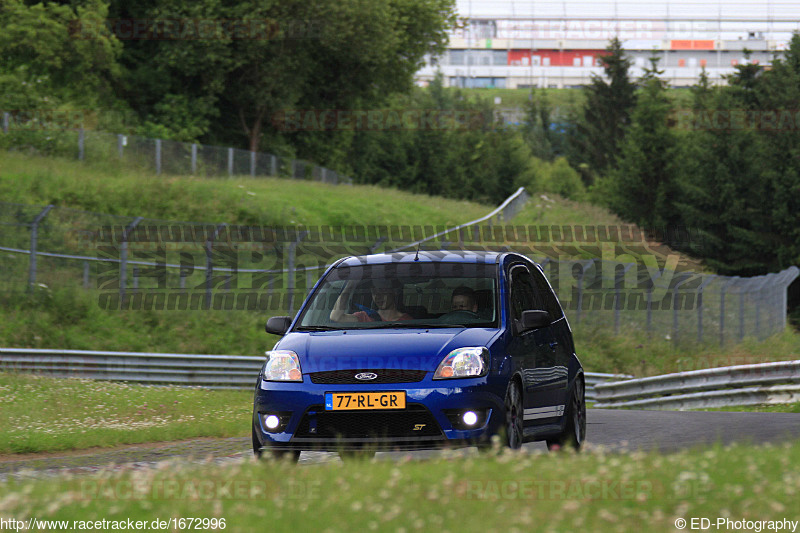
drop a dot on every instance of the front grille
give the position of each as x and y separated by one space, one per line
347 377
318 423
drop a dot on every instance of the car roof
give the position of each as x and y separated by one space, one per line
444 256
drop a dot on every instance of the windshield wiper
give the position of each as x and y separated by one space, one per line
316 328
410 325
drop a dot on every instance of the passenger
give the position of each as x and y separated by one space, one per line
464 300
385 295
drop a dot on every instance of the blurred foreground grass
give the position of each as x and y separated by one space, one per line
49 414
520 491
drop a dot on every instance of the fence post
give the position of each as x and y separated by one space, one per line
120 144
135 278
81 139
722 309
273 165
741 314
230 161
617 279
585 265
86 274
290 269
158 156
123 260
252 164
194 158
5 122
675 298
705 282
210 264
34 242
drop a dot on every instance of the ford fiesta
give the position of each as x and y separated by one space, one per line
421 350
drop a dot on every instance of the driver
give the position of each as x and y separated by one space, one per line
385 295
464 300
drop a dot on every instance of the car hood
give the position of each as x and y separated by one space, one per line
384 349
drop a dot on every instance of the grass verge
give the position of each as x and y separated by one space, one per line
593 491
50 414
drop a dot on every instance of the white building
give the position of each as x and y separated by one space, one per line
549 43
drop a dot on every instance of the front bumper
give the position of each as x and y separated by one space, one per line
428 421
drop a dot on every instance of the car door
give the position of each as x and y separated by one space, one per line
555 348
534 348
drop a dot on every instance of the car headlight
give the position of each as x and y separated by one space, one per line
464 363
282 365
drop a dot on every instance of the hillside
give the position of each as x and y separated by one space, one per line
64 315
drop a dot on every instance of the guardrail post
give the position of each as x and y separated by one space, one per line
34 243
5 122
81 139
210 264
194 158
158 156
123 260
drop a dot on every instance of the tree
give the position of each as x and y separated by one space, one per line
311 54
640 187
606 113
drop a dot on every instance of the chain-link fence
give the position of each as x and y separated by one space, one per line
158 155
138 263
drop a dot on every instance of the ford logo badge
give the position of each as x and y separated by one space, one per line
366 376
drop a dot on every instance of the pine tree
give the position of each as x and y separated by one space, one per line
606 113
641 188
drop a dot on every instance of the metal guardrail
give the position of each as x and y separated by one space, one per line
595 378
211 371
777 382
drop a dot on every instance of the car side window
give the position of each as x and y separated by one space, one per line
523 293
545 295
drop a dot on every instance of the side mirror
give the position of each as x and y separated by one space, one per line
534 319
278 325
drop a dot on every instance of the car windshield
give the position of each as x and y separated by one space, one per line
418 295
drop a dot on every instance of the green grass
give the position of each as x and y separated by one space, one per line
633 353
52 414
765 408
594 491
112 189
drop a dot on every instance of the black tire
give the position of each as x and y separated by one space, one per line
514 416
279 455
575 428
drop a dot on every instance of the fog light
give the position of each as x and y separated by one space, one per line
470 418
272 421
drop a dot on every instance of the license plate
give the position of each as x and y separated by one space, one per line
340 401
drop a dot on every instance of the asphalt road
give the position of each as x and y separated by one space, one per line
666 431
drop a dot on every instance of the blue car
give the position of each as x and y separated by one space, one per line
421 350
